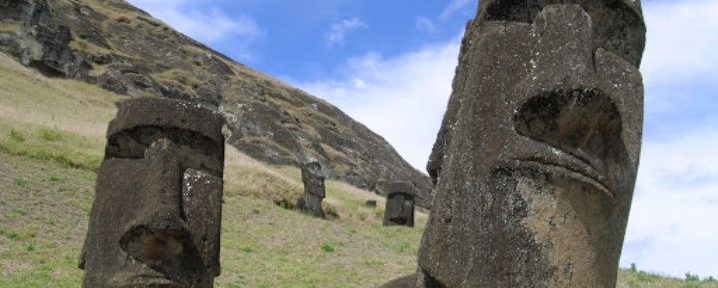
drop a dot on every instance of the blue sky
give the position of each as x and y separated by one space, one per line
389 64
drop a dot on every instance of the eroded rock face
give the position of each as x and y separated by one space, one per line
314 190
40 40
536 162
155 221
399 205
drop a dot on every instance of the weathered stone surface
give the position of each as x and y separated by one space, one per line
399 204
314 190
536 162
155 220
123 49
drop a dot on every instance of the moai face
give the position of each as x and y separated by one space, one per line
155 221
399 205
314 191
536 183
313 179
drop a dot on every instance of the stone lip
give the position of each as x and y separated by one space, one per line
123 49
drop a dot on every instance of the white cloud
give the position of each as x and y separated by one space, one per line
671 228
402 98
204 22
455 6
425 24
682 40
338 30
680 54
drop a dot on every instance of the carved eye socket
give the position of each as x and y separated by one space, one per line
616 26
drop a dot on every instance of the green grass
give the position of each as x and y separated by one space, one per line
51 145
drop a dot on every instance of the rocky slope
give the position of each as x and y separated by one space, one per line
125 50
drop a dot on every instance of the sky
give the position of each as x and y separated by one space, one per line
389 64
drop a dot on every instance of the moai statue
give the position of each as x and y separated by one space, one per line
314 192
537 159
399 204
155 221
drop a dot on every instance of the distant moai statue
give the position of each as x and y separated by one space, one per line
155 220
399 204
314 191
536 160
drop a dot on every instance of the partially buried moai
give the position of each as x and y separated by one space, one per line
399 204
537 158
314 192
155 221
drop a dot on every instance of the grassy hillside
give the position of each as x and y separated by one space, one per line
51 142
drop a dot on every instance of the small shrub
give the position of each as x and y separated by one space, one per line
246 249
692 277
55 178
284 203
328 247
634 268
19 211
20 182
30 248
402 246
51 135
13 236
16 136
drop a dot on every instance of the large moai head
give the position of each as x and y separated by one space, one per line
538 157
155 221
314 191
399 204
